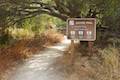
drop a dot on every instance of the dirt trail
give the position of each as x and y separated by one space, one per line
41 66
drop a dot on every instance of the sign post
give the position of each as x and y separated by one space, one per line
83 29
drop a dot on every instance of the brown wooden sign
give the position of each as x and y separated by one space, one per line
83 29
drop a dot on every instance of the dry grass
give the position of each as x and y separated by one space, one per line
24 48
53 36
103 66
109 69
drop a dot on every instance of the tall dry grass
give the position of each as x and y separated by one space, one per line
109 68
103 65
52 36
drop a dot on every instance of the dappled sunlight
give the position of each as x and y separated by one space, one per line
39 66
58 47
47 55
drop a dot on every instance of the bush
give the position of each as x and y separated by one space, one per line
20 33
53 36
109 69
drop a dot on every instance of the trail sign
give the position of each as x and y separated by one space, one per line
83 29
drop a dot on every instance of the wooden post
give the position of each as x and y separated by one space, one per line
90 47
72 55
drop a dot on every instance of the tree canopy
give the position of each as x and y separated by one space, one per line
13 11
16 11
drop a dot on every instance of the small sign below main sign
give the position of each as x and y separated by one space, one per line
83 29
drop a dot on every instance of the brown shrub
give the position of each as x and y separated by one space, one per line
104 66
52 37
25 48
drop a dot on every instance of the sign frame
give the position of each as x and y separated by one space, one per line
82 19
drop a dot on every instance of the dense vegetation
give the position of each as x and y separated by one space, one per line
24 24
16 11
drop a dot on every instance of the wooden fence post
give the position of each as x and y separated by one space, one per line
90 46
72 55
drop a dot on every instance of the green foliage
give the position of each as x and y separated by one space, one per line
51 11
4 39
111 15
63 9
28 28
110 64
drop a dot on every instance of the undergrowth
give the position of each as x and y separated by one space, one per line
102 65
25 48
